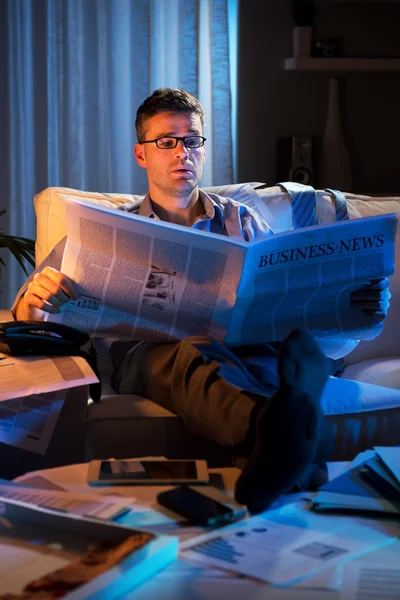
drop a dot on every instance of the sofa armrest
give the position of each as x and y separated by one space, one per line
6 315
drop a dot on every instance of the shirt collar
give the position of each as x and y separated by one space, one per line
212 209
146 209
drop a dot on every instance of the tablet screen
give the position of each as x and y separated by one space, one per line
148 469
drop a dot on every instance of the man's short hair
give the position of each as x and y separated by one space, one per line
166 100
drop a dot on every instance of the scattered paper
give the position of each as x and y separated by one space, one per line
390 455
90 505
38 481
369 581
28 422
33 375
32 394
285 545
369 484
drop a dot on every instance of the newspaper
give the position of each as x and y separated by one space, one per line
146 279
32 394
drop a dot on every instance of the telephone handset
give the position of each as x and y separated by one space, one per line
39 337
24 338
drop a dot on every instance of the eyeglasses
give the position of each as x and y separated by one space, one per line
168 143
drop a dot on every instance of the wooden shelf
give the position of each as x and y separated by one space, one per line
306 63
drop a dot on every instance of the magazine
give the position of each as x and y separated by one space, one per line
49 554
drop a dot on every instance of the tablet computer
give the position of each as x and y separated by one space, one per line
147 472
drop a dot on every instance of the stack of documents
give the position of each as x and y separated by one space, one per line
371 483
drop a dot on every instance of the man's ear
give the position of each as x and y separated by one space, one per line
139 155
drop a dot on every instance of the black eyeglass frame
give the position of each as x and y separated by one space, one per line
177 139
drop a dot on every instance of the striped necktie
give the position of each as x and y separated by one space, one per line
340 204
304 203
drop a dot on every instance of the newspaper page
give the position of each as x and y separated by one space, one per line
32 395
141 278
304 278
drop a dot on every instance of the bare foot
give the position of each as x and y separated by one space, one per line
288 427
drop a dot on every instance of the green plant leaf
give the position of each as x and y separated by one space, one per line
22 248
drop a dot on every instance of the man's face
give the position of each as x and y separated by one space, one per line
176 171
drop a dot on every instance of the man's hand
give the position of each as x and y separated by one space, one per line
373 298
47 291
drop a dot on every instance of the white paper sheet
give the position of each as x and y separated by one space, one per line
28 422
285 545
28 375
391 457
85 504
368 581
32 394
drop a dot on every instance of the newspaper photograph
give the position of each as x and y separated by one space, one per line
143 278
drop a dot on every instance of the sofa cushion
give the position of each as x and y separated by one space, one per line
383 372
354 433
119 426
276 208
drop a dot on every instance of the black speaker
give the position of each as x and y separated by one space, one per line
295 159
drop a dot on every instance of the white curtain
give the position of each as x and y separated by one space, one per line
75 72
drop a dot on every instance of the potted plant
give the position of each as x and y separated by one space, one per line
22 248
303 12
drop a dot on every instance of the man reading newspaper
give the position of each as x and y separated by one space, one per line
263 401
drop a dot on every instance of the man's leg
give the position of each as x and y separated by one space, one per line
204 384
200 381
289 427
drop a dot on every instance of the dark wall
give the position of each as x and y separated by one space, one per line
275 103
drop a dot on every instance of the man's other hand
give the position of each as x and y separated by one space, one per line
373 298
47 291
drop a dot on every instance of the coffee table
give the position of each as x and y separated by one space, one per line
183 580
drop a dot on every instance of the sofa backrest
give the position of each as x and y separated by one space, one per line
51 228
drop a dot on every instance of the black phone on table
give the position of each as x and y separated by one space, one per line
204 506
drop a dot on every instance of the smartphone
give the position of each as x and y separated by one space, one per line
147 472
206 506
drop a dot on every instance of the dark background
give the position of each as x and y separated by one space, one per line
273 102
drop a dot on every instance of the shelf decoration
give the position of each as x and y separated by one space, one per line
335 167
303 15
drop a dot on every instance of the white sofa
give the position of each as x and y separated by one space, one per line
134 426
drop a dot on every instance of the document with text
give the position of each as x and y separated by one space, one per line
147 279
284 546
32 395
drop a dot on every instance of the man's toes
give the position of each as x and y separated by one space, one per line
299 345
